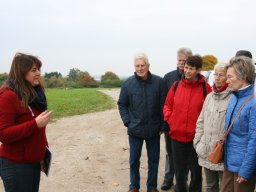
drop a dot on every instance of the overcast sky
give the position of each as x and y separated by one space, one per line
99 36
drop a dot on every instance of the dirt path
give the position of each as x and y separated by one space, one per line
91 153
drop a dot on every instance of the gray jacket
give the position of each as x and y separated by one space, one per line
210 127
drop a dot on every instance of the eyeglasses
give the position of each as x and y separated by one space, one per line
219 75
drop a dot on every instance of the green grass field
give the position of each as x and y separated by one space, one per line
70 102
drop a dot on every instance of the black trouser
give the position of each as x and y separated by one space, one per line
184 155
19 177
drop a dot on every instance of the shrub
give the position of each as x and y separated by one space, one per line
208 62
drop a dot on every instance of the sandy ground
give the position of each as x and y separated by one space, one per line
91 153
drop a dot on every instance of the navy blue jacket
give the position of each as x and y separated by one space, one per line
171 77
141 104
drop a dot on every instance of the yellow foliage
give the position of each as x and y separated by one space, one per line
208 62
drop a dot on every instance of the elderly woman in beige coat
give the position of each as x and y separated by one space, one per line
211 127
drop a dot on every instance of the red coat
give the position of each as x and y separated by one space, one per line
22 141
182 108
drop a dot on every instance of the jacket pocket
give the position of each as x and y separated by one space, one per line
201 150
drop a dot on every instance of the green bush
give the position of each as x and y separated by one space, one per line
110 79
111 83
3 77
54 82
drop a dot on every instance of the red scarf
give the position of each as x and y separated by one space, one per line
223 88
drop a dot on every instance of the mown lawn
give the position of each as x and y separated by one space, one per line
68 102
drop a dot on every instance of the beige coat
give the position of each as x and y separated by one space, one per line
210 127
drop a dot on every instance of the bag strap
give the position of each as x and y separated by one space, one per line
204 89
175 86
230 126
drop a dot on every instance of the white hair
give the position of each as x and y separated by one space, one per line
185 51
220 66
142 56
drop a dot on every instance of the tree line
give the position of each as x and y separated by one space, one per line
75 79
79 79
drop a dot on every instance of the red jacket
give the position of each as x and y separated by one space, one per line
22 141
182 108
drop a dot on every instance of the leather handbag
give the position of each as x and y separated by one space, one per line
217 154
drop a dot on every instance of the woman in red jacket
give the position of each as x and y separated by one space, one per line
23 118
181 110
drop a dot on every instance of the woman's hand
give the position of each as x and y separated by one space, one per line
43 119
241 179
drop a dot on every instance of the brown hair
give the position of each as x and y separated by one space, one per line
21 64
195 61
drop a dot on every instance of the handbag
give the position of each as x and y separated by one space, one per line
216 155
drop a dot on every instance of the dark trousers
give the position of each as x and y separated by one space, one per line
184 156
153 152
169 167
19 177
213 180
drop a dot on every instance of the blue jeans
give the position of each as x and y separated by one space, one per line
19 177
153 152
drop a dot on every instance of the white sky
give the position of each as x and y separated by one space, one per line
99 36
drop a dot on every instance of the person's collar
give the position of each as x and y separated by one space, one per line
243 87
148 80
247 90
223 88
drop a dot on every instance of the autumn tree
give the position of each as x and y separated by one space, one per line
208 62
85 80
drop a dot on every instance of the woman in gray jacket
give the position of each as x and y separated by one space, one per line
211 127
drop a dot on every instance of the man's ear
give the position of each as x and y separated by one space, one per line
199 70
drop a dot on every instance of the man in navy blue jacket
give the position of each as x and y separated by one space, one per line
140 105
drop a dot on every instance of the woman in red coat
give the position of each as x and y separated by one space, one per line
181 110
23 118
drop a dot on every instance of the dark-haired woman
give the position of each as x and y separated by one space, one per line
181 110
23 117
